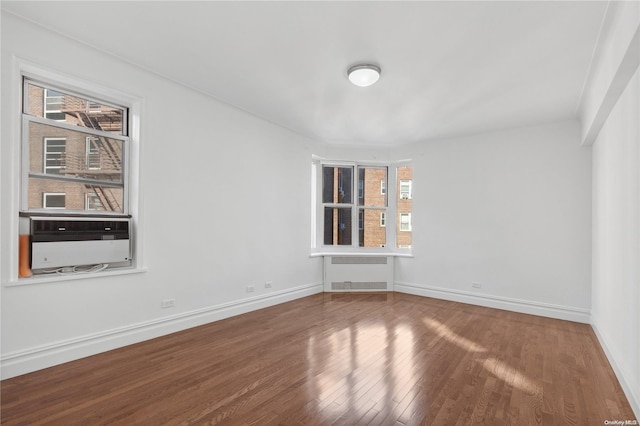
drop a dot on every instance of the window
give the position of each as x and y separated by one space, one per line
52 200
73 160
54 155
92 153
94 107
53 103
353 221
405 222
93 202
337 188
353 201
405 189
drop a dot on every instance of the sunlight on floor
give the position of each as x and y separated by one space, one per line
498 368
446 333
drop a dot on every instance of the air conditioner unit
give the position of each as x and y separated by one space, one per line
404 196
60 242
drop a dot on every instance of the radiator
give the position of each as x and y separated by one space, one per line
358 273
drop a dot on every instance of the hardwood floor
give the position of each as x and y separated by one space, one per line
383 359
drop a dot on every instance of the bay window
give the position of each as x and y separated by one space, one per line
353 205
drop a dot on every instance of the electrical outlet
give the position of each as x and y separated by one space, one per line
250 289
168 303
268 284
476 285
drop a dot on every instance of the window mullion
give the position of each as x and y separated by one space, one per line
355 212
75 128
94 182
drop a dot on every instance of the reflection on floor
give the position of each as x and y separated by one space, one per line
333 358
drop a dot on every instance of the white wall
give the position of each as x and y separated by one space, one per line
614 62
509 210
610 113
220 209
616 239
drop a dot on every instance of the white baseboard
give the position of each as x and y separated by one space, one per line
498 302
632 397
37 358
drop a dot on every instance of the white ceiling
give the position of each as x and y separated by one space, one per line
448 68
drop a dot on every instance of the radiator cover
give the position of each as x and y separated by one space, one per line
358 273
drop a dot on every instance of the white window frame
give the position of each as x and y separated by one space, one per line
383 219
390 210
383 187
357 192
49 194
124 138
408 222
13 190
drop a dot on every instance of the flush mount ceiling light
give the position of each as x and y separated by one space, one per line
364 75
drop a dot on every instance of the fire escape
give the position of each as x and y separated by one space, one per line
103 158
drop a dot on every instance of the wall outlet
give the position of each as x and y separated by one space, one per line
168 303
268 284
250 289
476 285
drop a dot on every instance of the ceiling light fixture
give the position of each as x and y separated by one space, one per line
364 75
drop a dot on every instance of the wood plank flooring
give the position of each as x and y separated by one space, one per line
380 359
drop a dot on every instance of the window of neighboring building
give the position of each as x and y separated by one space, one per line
92 153
93 202
53 200
405 222
53 103
383 219
83 155
405 189
383 187
93 106
54 150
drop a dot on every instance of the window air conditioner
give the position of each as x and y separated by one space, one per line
404 196
60 242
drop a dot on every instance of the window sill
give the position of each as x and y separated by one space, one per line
50 278
358 253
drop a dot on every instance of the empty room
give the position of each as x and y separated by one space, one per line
320 212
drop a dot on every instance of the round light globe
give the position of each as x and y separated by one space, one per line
364 75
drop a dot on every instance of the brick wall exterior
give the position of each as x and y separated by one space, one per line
404 206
